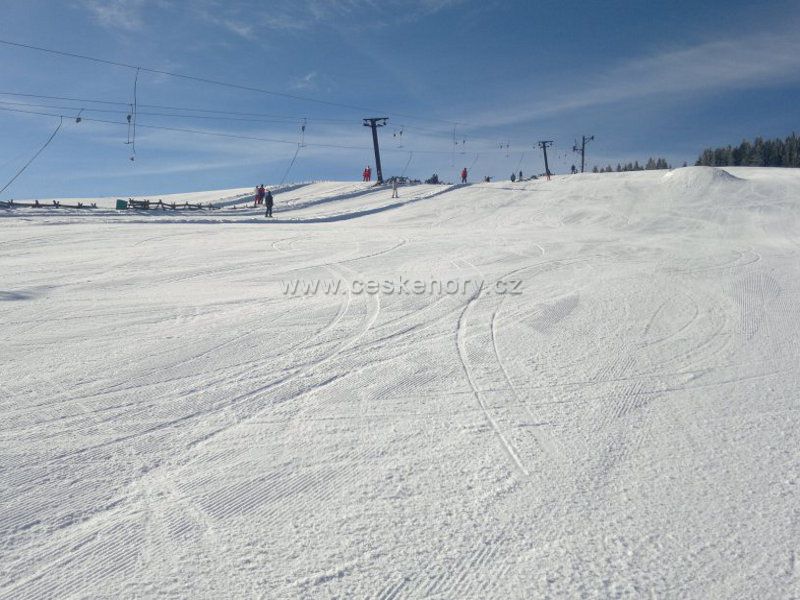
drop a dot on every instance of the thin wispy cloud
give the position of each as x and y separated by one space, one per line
302 15
240 28
306 82
740 63
117 14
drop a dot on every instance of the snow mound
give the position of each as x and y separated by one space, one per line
699 178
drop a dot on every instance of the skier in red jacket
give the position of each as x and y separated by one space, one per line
464 175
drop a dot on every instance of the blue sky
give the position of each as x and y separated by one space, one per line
645 78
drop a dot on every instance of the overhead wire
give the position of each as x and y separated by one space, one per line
134 108
221 134
166 107
408 162
215 114
35 156
300 144
226 114
258 117
148 113
210 81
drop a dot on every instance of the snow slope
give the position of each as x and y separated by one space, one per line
318 201
174 425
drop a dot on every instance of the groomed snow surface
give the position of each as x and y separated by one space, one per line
174 425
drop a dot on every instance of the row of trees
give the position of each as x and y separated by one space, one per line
651 165
759 153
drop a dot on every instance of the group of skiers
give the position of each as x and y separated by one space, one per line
367 176
264 196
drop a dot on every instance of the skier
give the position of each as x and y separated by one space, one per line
269 202
394 188
513 177
520 176
574 170
464 175
364 174
259 194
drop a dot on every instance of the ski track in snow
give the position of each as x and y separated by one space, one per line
176 426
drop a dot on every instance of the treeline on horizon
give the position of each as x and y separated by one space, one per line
759 153
652 164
